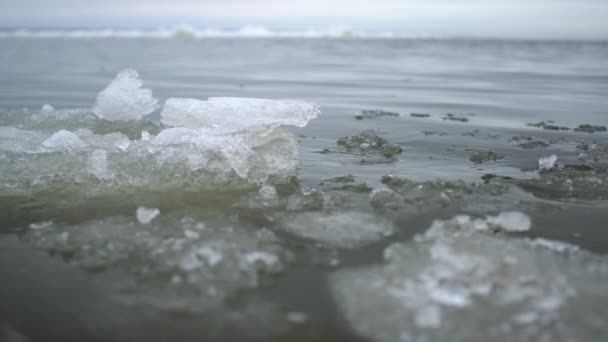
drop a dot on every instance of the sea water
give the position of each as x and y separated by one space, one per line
305 186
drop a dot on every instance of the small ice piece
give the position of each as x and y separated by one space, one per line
546 163
212 256
267 192
41 225
119 140
265 258
98 164
511 221
295 317
47 108
146 215
191 234
341 229
558 246
145 136
232 114
124 99
63 140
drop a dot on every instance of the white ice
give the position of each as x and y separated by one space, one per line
546 163
340 229
458 283
63 141
124 99
240 141
231 114
146 215
47 108
511 221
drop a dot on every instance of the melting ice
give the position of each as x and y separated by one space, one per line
197 144
456 275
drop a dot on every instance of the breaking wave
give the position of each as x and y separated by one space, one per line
193 32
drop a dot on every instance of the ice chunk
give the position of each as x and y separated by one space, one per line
296 317
63 140
145 135
511 221
258 151
558 246
47 108
546 163
456 276
260 257
342 229
124 99
146 215
221 259
231 114
98 164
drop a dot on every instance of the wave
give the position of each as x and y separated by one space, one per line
187 31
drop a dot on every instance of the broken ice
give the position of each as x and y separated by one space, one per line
232 114
456 275
217 142
546 163
341 229
146 215
63 140
125 99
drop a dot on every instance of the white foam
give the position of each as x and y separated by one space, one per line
124 99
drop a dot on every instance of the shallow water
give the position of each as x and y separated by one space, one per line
111 278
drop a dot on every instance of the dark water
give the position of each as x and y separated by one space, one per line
498 87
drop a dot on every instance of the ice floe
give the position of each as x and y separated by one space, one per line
214 259
216 142
455 276
232 114
340 229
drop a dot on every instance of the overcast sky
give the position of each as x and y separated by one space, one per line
508 18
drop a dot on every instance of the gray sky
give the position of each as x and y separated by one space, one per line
495 18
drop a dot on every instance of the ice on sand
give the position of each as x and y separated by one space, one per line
499 288
231 114
124 99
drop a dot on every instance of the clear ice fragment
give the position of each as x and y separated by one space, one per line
146 215
546 163
232 114
124 99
